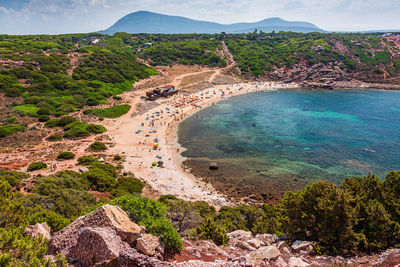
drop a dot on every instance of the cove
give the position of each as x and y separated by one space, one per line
273 141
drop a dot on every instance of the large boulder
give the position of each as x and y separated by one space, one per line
261 254
38 229
147 244
106 216
95 245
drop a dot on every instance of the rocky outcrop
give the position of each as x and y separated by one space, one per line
262 254
107 216
147 244
302 245
96 245
39 229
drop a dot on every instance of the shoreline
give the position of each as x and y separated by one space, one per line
175 177
164 119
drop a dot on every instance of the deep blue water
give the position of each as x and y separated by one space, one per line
319 134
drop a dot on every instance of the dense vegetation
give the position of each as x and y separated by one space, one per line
113 112
362 214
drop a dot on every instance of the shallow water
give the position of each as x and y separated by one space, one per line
304 134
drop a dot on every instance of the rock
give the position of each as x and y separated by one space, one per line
254 243
280 262
38 229
213 166
297 262
390 257
264 253
105 216
147 244
241 244
83 169
131 257
240 235
95 245
266 239
101 160
302 245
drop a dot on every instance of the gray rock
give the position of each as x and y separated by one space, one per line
38 229
267 239
264 253
302 245
240 235
95 245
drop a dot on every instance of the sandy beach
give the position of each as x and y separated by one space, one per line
136 133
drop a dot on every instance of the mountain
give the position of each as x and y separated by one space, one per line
149 22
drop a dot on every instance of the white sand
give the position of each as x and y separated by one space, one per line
138 147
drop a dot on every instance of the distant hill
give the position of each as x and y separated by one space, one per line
148 22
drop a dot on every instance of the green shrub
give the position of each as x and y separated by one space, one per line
97 146
126 186
54 137
66 120
53 219
100 180
43 111
76 131
37 166
151 214
8 130
44 118
52 123
86 160
65 156
95 128
11 119
113 112
209 230
27 110
117 157
13 177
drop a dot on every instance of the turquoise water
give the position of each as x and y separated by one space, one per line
311 135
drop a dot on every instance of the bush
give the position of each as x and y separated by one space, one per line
54 137
52 123
95 128
117 157
13 177
209 230
86 160
44 118
97 146
151 214
113 112
43 111
54 220
66 120
65 156
11 119
8 130
126 186
101 177
37 166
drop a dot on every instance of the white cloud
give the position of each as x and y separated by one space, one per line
56 16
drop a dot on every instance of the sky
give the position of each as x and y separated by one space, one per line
75 16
